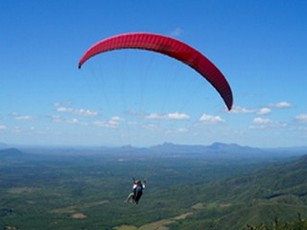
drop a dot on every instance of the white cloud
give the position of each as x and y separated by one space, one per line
281 105
112 123
242 110
59 119
211 119
238 109
264 110
261 111
260 120
3 127
262 123
18 117
168 116
302 118
81 112
26 117
178 116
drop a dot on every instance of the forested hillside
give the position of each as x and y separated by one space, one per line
80 189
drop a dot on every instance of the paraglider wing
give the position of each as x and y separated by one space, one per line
168 46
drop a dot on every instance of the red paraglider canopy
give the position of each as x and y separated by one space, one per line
168 46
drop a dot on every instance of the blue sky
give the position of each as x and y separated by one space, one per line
142 98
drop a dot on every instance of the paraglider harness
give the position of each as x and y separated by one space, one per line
138 188
137 191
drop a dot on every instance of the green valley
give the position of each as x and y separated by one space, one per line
86 188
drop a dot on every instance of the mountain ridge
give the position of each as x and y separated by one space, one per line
214 149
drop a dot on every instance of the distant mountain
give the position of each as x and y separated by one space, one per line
177 148
11 152
222 147
216 149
